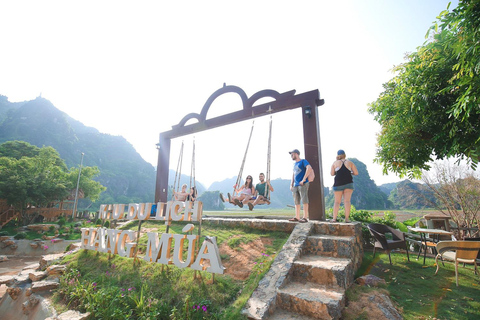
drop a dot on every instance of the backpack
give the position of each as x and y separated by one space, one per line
311 176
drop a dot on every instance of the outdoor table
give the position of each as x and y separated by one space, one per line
423 236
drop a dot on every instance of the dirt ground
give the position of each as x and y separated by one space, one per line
241 259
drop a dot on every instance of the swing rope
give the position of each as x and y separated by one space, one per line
178 173
239 177
192 171
269 155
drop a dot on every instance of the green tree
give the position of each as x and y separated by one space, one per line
430 108
36 177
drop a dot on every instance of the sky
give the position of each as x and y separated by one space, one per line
136 68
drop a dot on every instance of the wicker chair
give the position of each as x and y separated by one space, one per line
465 251
398 241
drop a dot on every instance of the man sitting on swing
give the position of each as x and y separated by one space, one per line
262 192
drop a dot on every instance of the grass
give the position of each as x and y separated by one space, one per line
112 287
420 293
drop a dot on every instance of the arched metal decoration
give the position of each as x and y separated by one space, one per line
308 101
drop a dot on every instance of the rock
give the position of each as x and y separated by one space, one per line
3 258
14 292
50 259
372 305
41 227
33 266
3 238
44 285
13 247
28 292
37 275
56 270
48 237
370 280
72 315
34 245
28 305
8 243
55 240
7 280
21 279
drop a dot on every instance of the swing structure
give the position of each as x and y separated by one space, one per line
307 102
178 173
266 196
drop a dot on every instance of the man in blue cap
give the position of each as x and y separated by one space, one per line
299 185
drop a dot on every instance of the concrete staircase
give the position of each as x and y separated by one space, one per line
313 284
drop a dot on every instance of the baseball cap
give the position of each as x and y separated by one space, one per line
295 151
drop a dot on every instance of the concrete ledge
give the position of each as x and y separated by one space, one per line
261 224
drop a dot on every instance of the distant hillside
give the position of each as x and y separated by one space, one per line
411 195
126 175
387 187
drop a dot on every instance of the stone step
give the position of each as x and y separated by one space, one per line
327 271
281 314
330 246
335 228
312 300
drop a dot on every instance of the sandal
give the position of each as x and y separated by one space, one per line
293 220
221 197
250 206
303 220
238 203
229 197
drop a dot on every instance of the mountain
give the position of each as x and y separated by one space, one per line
387 187
411 195
123 171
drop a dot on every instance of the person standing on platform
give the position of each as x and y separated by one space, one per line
299 185
343 170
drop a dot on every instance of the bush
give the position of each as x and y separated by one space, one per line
106 224
20 235
51 229
3 233
61 221
98 222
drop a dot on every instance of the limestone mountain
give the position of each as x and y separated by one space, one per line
123 171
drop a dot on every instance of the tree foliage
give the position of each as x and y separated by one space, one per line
430 109
457 190
36 177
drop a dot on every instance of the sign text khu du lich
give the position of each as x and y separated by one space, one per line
159 248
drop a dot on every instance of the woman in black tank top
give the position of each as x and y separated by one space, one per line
343 170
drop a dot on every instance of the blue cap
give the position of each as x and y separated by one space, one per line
340 152
294 151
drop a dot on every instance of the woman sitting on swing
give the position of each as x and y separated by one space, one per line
244 193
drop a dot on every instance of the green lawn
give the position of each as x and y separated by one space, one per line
421 294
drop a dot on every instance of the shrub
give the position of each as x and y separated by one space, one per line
20 235
51 229
3 233
106 224
98 222
61 221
